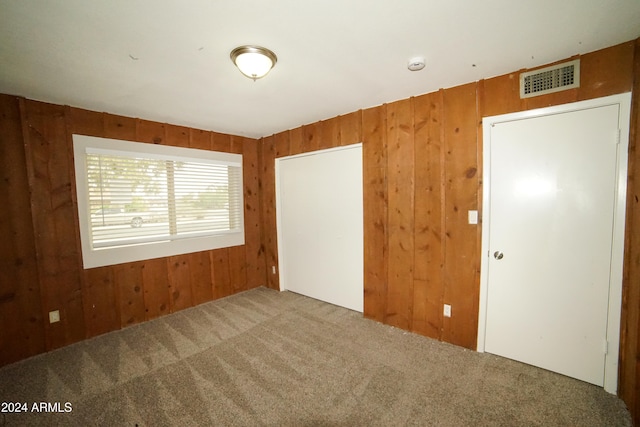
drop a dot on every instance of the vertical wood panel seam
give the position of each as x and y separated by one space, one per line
37 250
385 142
479 189
263 242
480 94
443 208
382 287
628 371
412 143
88 324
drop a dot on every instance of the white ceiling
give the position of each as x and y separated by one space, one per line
168 60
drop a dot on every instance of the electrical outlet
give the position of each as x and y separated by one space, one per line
54 316
447 310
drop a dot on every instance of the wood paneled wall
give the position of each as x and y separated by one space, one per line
423 173
420 178
41 266
629 371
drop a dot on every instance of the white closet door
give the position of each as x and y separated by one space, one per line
320 225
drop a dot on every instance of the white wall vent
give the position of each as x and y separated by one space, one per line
550 79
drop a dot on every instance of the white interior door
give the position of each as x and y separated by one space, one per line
552 203
320 225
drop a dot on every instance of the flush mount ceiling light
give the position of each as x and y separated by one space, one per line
253 61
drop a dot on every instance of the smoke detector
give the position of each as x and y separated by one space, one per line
416 63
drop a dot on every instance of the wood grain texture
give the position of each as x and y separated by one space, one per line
46 257
220 142
84 122
100 297
480 93
629 372
128 279
429 256
502 95
46 141
374 153
310 137
351 128
155 273
41 252
222 285
237 269
462 255
179 269
199 139
178 266
151 132
254 242
200 269
447 168
21 315
401 179
156 285
296 141
329 133
236 144
607 72
374 139
237 256
99 293
178 136
281 142
119 127
269 209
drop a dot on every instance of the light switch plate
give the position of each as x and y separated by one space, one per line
473 217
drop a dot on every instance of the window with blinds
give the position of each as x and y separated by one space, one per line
138 201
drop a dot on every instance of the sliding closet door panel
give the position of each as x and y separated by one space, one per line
320 226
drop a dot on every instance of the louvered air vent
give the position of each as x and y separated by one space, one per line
550 79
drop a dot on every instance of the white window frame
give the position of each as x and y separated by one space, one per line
116 255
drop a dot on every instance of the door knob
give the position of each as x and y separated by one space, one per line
498 255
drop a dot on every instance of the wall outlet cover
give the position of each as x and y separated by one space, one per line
54 316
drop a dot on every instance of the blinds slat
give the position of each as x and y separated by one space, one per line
129 198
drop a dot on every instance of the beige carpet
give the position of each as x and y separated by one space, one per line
281 359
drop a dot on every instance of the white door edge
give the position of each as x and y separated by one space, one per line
617 256
282 265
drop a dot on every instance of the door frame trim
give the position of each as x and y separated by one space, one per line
617 256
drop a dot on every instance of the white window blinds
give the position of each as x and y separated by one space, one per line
138 194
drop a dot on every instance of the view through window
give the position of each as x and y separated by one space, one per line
135 200
151 195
